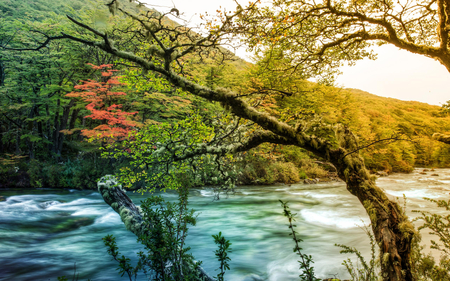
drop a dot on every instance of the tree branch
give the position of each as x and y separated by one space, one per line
445 138
392 139
255 140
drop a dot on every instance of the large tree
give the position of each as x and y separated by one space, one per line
168 46
313 36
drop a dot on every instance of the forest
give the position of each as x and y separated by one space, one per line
95 88
45 130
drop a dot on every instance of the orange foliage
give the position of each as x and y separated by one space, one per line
116 123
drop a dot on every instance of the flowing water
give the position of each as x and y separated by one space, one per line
44 233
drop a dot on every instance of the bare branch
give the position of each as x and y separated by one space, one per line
389 140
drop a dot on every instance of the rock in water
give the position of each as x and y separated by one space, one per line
72 224
381 173
45 205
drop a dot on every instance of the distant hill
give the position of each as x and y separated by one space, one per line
39 9
373 117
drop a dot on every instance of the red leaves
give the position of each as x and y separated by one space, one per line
116 123
101 67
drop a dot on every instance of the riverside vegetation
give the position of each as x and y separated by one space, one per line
183 104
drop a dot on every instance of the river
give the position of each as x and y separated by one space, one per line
44 233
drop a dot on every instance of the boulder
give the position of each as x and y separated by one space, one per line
382 174
311 181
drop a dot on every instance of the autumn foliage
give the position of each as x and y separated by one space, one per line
115 123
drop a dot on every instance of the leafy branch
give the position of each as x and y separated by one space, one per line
305 260
222 254
368 270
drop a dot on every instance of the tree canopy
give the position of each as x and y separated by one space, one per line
314 37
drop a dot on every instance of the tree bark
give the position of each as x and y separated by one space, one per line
63 125
130 214
445 138
57 127
393 231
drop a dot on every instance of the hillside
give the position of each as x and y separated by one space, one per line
38 10
394 135
373 118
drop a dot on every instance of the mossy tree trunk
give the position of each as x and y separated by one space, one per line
393 231
445 138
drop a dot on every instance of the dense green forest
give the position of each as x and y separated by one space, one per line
42 128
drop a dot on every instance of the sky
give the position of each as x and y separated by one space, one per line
395 73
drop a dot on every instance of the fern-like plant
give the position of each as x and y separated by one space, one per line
305 260
362 270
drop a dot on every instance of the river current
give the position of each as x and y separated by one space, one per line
44 233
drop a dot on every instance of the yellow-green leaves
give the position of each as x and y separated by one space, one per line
158 154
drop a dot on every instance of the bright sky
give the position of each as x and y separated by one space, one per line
396 73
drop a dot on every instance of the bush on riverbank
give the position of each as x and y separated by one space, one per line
77 174
282 164
80 173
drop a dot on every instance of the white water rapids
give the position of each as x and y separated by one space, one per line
43 233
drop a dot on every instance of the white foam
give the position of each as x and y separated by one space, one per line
331 218
78 202
11 204
111 218
320 195
285 268
88 212
413 193
207 193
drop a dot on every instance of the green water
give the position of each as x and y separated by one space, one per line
44 233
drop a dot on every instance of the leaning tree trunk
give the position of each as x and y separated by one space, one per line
445 138
130 214
392 229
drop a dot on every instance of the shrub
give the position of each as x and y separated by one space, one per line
302 175
53 175
222 254
362 271
425 267
166 229
305 260
312 169
285 172
35 173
